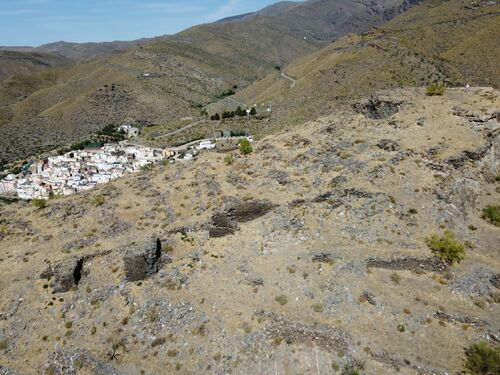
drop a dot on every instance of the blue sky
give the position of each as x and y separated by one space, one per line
35 22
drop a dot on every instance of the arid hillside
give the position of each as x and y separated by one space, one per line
451 42
12 62
169 78
311 255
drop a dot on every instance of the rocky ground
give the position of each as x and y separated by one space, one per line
304 256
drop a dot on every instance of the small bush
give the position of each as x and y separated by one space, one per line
446 247
317 307
281 299
229 159
492 214
245 147
354 367
39 203
482 359
98 200
396 279
436 89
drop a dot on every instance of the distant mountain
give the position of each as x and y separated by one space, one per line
82 51
13 62
170 77
435 41
272 10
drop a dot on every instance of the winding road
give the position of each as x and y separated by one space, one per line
181 129
291 79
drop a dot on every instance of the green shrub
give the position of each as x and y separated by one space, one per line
39 203
492 214
98 200
245 146
229 159
281 299
446 247
482 359
436 89
354 367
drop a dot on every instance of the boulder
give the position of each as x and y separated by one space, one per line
141 260
377 107
67 273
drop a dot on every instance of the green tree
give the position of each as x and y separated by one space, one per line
253 111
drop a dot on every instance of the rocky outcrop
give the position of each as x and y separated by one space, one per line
432 264
235 211
67 273
460 318
377 108
325 337
388 145
222 225
69 363
142 260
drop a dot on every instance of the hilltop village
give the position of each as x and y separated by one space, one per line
82 170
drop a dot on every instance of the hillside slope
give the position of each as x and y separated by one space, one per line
12 62
169 78
436 41
305 256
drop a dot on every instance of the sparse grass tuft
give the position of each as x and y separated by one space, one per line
281 299
229 159
396 279
317 307
492 214
98 200
446 247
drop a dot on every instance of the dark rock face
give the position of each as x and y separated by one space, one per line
222 225
432 264
235 211
377 108
142 260
67 274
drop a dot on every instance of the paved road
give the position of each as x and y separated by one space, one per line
181 129
291 79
